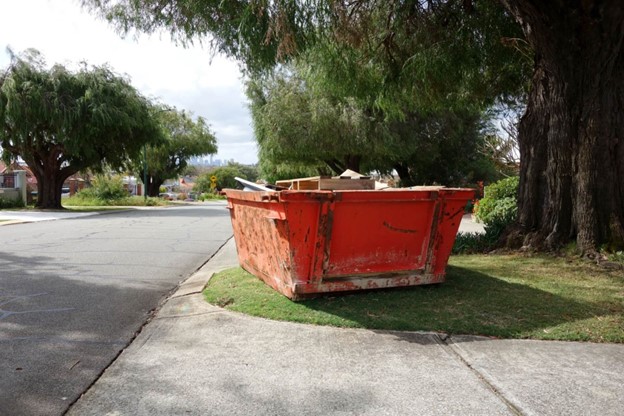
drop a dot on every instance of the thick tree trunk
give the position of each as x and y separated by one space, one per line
572 135
405 175
352 162
50 178
153 186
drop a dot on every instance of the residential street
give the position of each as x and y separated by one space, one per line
74 292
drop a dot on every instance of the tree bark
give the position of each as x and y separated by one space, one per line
50 176
352 162
571 137
405 175
153 185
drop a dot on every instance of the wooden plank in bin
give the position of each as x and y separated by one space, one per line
326 183
346 184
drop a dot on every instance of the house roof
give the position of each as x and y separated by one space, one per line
30 177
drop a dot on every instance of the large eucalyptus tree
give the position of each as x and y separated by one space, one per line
61 122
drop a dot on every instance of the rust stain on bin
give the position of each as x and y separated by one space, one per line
303 243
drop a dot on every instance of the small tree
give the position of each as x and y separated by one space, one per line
183 139
61 122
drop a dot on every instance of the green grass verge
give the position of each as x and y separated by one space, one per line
131 201
506 296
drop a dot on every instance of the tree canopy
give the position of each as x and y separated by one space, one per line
183 138
572 154
61 121
297 126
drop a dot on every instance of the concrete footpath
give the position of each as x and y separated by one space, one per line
197 359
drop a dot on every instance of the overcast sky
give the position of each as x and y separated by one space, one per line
190 79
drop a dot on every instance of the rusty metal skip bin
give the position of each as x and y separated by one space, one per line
303 243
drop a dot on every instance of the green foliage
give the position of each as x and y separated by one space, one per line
471 243
497 210
225 177
85 200
7 203
297 127
499 205
104 188
272 171
61 121
367 85
249 172
426 46
258 33
208 196
183 138
303 131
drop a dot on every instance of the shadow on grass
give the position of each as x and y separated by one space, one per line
469 302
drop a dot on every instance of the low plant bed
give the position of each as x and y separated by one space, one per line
505 296
130 201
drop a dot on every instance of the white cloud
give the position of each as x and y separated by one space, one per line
191 79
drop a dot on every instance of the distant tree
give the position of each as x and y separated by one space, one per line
225 176
61 122
183 138
435 148
297 126
304 128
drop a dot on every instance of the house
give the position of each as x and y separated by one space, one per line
31 180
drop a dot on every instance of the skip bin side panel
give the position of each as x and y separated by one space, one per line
261 235
379 236
453 203
302 215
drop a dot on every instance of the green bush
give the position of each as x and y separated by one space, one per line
127 201
210 196
499 205
10 203
105 188
496 210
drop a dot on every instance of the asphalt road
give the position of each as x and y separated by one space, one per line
74 292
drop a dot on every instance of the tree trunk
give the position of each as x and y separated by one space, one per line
352 162
153 185
47 166
571 137
405 175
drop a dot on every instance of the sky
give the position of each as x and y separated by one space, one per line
191 79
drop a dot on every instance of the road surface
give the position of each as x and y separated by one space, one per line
74 292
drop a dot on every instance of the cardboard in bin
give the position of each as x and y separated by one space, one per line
311 242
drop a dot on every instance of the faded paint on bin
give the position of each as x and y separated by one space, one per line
309 242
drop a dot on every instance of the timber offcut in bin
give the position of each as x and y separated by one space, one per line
304 243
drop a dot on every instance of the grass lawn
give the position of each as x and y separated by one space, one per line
506 296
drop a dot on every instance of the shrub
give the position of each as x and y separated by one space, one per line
11 203
499 205
496 210
105 188
210 196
